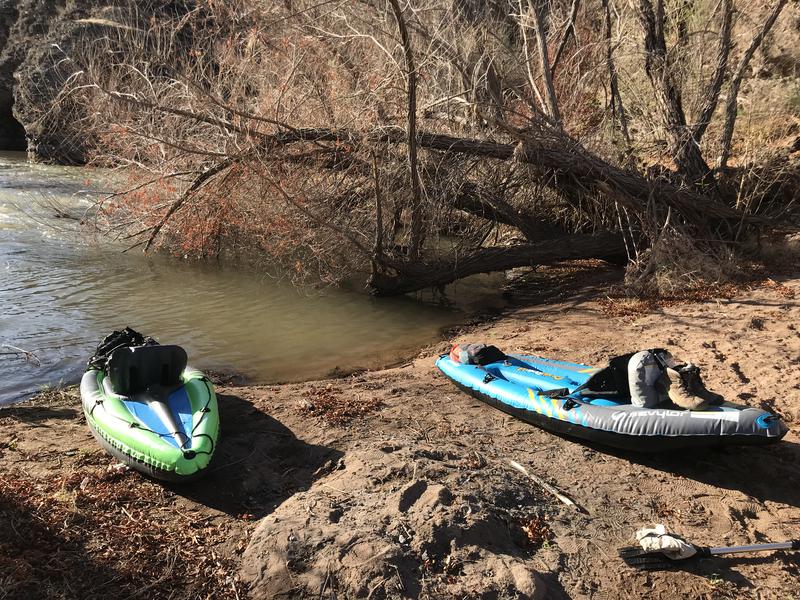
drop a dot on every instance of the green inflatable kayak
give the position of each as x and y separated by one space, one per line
148 409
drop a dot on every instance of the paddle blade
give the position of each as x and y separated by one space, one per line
646 561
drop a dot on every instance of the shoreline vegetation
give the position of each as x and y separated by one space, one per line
411 146
393 484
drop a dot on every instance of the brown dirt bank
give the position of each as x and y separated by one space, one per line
393 484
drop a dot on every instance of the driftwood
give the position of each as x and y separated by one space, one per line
26 354
546 486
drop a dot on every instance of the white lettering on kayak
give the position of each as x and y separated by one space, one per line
722 415
726 415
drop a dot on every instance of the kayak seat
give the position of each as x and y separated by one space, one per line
612 381
135 369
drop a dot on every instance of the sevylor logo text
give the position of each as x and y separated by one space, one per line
649 413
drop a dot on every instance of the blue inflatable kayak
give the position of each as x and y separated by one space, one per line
551 394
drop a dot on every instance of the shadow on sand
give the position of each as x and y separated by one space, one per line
763 472
726 568
33 414
258 464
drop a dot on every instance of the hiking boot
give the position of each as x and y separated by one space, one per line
698 387
680 393
687 389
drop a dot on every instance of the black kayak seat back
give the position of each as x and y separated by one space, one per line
612 380
135 369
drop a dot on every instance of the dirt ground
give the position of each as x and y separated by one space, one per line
393 484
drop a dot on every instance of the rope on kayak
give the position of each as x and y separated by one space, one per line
210 439
136 425
519 357
205 410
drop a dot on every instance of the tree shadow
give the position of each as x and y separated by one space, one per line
51 545
724 567
553 587
571 282
258 463
38 562
762 472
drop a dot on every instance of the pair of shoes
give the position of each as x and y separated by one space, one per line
698 387
687 389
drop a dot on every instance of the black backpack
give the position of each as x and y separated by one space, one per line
476 354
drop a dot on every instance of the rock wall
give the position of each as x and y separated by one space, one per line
31 33
12 134
37 38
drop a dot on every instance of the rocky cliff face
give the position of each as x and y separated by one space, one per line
12 134
37 39
35 36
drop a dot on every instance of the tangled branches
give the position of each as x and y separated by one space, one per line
406 145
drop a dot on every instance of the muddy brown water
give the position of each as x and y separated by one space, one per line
62 290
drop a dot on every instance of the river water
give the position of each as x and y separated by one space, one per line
62 290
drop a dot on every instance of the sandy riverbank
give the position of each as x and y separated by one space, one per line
394 484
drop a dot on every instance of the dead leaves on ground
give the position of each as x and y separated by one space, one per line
336 407
105 531
621 305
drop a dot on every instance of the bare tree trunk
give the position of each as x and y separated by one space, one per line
714 88
523 26
684 149
377 247
544 63
617 108
417 216
569 31
736 82
417 276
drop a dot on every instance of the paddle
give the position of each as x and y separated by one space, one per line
655 561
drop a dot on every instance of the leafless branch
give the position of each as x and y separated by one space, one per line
736 82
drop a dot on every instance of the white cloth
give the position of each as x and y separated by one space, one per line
657 540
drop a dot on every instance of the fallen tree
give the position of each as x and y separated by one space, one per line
402 277
347 141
